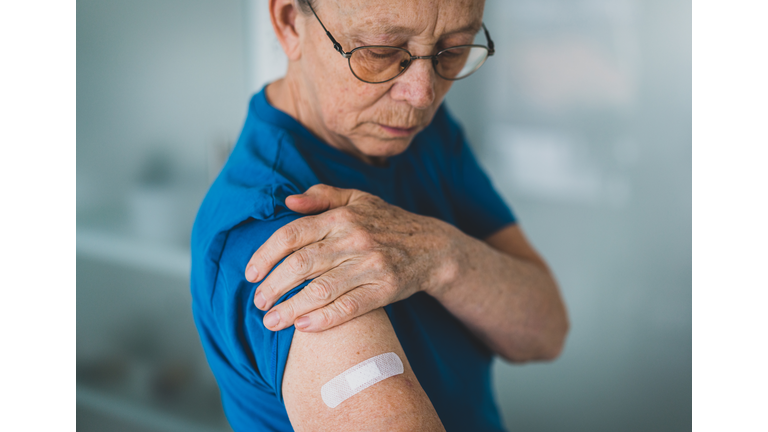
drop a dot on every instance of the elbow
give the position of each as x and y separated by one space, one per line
551 337
556 341
554 349
543 346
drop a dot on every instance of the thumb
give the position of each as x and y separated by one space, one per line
320 198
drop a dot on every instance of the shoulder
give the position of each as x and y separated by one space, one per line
243 240
264 168
243 207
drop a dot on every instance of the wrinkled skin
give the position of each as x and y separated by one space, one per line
362 253
356 117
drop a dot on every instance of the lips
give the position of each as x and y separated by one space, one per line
399 131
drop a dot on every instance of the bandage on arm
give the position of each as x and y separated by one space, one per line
393 403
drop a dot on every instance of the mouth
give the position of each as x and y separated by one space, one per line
399 131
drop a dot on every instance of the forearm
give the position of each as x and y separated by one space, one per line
363 254
512 304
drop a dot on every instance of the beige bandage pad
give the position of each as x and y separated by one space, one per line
359 377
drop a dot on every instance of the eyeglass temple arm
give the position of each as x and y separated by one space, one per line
336 45
491 49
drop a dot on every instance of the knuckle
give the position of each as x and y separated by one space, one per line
389 279
320 289
266 291
263 260
289 235
347 305
286 310
299 262
382 293
363 239
389 290
372 199
324 318
344 214
378 262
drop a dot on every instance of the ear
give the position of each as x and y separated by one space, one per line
285 17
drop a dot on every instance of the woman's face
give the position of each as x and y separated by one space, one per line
379 120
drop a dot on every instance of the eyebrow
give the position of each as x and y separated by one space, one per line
469 28
393 30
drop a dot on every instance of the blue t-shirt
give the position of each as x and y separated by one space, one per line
275 157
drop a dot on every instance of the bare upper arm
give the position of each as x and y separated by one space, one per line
394 404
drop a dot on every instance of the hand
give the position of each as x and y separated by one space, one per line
362 253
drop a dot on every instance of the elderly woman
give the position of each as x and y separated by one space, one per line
353 211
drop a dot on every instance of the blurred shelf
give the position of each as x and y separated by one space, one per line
140 254
138 414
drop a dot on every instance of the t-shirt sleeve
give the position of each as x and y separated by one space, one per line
255 351
480 210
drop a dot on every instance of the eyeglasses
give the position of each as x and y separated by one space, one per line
376 64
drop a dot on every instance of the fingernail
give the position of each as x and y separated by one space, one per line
272 319
252 273
260 301
302 322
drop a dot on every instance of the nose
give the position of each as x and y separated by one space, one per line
416 85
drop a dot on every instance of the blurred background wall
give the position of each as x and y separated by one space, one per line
582 119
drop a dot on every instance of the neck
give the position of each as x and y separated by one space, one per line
290 96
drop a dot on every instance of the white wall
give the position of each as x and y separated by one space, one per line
154 77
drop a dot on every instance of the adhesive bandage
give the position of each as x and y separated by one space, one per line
359 377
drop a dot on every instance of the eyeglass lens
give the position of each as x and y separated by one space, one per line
379 64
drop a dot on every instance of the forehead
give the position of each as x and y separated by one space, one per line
434 18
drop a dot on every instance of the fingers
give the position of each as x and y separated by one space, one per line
320 198
306 263
321 292
283 242
354 303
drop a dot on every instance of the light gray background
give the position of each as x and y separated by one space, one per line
582 119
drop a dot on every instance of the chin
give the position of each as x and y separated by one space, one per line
384 148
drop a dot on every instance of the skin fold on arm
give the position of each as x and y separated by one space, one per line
397 403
